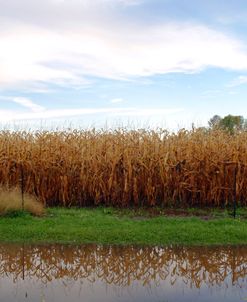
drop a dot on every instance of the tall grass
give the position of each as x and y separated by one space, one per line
11 203
127 168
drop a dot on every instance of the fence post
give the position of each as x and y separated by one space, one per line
22 188
235 191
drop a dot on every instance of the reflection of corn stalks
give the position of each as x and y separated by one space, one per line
121 266
127 167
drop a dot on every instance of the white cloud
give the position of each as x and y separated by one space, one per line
211 93
60 14
35 113
238 81
11 115
24 102
66 42
28 104
117 101
150 112
57 113
37 55
131 2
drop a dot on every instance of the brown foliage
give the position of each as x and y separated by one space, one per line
126 168
11 201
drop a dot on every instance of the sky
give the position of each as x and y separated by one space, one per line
107 63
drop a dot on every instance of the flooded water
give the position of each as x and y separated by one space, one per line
99 273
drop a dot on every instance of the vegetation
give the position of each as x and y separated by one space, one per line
112 226
230 123
11 203
127 168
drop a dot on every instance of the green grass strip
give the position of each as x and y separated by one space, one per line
111 226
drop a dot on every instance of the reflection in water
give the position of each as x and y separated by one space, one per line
100 273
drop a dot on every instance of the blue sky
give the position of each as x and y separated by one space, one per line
84 63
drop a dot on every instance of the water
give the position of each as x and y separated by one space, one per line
97 273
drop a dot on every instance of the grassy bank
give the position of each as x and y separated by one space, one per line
112 226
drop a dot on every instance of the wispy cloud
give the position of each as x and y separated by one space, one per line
240 80
13 115
24 102
212 93
28 104
89 40
117 101
131 2
150 112
57 113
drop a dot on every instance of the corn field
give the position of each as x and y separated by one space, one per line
127 168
